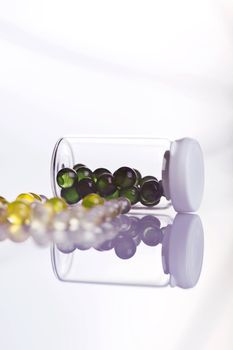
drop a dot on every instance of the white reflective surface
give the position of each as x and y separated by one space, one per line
161 69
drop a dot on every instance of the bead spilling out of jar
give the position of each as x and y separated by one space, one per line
125 182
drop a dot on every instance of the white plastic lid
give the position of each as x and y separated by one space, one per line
186 175
183 250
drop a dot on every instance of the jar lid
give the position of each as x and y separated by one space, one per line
183 249
186 175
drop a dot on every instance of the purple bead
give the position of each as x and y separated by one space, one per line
134 231
66 247
125 247
149 220
152 236
106 245
124 223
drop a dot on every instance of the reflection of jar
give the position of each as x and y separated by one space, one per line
167 253
178 165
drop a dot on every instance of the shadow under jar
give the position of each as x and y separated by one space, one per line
150 172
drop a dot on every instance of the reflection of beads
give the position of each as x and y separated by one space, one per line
125 247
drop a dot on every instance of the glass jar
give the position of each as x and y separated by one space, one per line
177 165
168 253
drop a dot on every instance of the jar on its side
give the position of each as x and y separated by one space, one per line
177 165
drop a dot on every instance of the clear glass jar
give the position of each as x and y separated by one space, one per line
178 164
169 253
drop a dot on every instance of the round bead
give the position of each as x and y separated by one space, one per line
41 213
131 193
3 213
57 204
85 187
26 197
149 220
115 195
77 166
125 205
161 188
83 172
125 177
105 185
18 212
66 178
147 178
18 233
66 247
150 193
138 177
134 230
152 236
36 196
125 247
91 200
3 200
124 223
100 171
43 198
70 195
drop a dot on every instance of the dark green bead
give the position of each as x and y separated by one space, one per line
150 193
85 186
161 188
105 185
146 178
131 193
100 171
83 172
138 177
115 195
66 177
70 195
125 177
77 166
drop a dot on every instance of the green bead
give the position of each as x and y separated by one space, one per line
132 194
115 195
66 178
125 177
100 171
83 173
105 185
150 193
146 178
91 200
138 177
70 195
77 166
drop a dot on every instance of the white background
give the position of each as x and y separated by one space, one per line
157 68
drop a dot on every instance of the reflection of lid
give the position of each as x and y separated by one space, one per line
182 250
186 175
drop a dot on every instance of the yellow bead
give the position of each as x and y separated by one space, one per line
18 212
26 197
3 200
36 196
57 204
91 200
